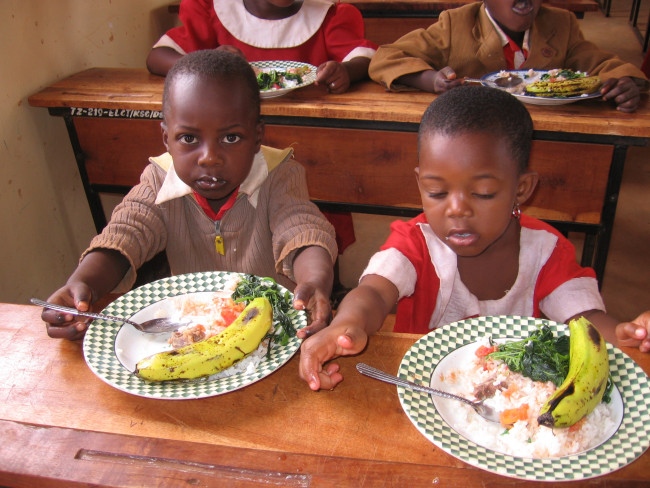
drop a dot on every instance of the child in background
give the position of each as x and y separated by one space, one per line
494 35
472 252
217 200
319 32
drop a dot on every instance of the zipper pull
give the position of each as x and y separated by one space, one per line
218 238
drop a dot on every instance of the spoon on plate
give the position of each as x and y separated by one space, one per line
503 82
153 326
488 413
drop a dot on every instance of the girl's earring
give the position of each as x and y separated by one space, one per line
516 211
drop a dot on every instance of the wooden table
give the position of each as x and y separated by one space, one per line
388 20
62 426
359 148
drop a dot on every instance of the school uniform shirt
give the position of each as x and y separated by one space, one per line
320 31
465 39
431 293
271 218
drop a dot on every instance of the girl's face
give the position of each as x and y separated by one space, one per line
212 133
469 184
514 16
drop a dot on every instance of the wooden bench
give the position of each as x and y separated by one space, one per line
359 148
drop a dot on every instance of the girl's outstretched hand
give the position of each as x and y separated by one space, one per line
635 333
329 343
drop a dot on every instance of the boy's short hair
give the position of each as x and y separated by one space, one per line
475 108
222 66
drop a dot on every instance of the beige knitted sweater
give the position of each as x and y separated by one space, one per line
271 219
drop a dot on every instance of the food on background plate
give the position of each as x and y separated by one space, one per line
499 375
563 83
278 79
215 354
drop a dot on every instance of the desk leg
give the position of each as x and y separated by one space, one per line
609 210
94 202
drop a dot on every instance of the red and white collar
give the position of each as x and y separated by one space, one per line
268 34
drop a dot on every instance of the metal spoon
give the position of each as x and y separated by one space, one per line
503 82
488 413
153 326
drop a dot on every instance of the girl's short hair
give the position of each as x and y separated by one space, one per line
476 108
221 66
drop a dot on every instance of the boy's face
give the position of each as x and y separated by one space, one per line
469 184
514 16
212 133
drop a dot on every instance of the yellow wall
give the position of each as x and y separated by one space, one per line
44 215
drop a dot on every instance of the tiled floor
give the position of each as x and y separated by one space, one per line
626 286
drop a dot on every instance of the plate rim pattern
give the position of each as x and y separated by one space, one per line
99 341
628 443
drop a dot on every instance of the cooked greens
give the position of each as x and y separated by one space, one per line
251 287
267 80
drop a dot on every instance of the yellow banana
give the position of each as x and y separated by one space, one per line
216 353
586 381
566 88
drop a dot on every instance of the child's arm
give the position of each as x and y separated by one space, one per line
632 334
361 313
314 274
431 81
99 272
339 76
161 59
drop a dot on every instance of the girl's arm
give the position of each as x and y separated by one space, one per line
361 313
161 59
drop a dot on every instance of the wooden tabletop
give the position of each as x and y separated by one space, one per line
119 91
62 426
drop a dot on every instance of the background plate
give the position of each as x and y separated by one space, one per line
99 341
307 79
539 100
628 442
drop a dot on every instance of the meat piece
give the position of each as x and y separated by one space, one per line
186 336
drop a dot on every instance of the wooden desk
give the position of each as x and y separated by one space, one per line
359 148
387 20
62 426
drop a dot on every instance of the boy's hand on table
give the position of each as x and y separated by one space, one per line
623 91
67 326
445 79
308 297
329 343
635 333
334 76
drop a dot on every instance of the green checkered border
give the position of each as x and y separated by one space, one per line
628 443
99 342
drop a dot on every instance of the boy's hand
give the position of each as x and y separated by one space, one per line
635 333
333 75
67 326
623 91
306 296
329 343
445 79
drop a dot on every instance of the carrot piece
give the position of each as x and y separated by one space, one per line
483 351
511 415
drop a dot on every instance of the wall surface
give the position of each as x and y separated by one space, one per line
43 211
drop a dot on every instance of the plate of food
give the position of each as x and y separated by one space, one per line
549 87
613 435
208 303
277 78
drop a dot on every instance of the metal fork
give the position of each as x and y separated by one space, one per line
488 413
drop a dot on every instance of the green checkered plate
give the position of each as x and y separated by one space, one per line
107 344
307 79
626 444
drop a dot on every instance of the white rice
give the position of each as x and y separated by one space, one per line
526 438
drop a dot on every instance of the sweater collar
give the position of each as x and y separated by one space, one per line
265 160
268 34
